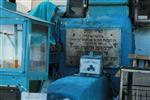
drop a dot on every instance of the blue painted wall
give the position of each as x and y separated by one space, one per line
102 13
142 41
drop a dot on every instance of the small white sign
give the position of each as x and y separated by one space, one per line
90 66
33 96
142 17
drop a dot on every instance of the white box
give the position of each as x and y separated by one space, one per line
33 96
91 64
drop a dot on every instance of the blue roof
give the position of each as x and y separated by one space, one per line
25 15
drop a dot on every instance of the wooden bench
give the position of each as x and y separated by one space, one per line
137 58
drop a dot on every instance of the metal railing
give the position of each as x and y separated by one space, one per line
137 92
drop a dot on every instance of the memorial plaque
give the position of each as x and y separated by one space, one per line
81 41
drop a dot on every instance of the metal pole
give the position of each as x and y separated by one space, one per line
129 86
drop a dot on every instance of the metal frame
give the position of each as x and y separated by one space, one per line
130 71
21 68
21 77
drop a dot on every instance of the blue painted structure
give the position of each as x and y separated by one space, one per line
142 41
79 88
101 14
33 37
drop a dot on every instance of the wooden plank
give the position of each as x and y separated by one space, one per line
146 64
139 57
135 63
